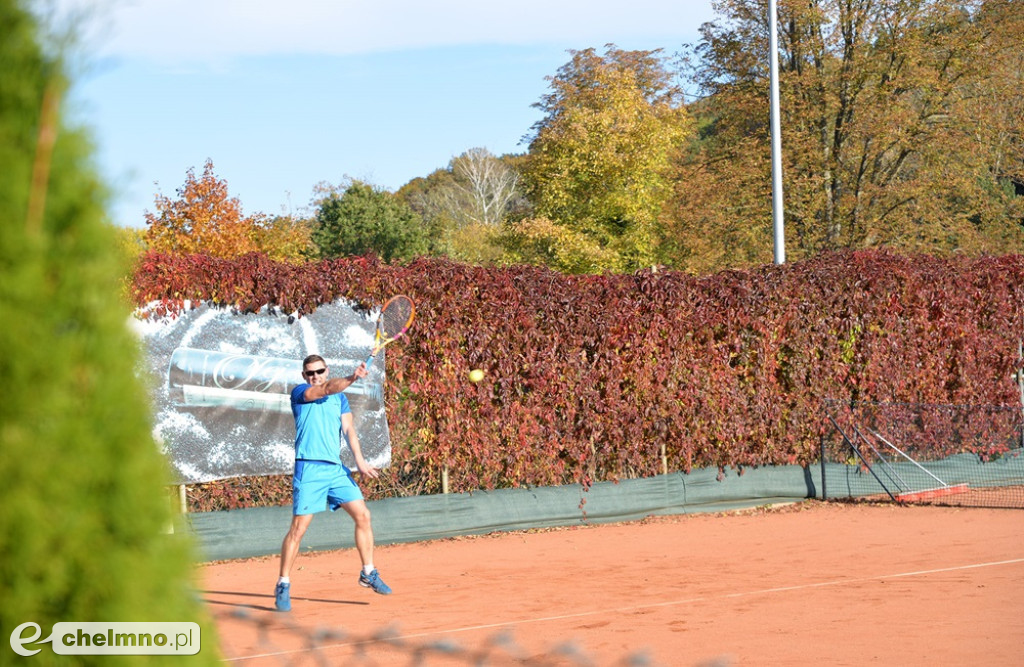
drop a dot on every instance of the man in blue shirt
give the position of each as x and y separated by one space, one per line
321 481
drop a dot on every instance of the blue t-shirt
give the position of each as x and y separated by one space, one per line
318 426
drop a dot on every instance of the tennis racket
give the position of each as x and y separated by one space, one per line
395 319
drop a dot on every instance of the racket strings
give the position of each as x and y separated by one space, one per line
396 316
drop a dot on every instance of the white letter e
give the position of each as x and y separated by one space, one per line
17 641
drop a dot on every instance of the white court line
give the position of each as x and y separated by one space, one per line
654 605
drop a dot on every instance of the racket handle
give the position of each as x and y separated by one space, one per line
376 350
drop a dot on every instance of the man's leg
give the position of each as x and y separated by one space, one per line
289 551
360 514
368 577
292 541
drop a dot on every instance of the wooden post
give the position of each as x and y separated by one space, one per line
1020 384
821 456
182 507
444 480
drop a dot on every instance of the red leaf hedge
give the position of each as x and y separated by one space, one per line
586 377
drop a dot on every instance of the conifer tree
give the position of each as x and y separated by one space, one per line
84 511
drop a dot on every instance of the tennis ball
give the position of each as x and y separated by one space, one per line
476 375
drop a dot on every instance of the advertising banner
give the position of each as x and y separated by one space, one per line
221 383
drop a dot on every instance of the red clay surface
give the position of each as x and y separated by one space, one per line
810 584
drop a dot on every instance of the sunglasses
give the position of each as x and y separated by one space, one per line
315 371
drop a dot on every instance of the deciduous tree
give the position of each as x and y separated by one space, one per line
542 242
483 189
883 142
285 238
467 203
361 218
599 159
204 218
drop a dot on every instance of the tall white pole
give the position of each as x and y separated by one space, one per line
778 222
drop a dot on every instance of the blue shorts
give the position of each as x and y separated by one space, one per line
318 485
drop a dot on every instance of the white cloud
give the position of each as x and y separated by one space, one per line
191 30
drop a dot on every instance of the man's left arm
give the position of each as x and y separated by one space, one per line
349 429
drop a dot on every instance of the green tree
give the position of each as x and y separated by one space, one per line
599 160
85 509
883 142
362 219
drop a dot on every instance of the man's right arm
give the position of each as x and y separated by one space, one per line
334 385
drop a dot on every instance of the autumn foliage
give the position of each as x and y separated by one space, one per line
588 377
898 128
204 218
600 159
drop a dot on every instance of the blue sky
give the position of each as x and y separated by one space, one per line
284 95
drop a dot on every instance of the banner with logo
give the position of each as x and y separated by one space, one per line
221 384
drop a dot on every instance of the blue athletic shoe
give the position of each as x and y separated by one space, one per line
374 581
282 597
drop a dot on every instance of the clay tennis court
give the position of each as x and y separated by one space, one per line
807 584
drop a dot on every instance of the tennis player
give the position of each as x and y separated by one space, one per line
321 481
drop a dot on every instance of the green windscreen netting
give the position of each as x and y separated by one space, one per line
258 531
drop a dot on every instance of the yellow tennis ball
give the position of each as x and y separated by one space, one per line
476 375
